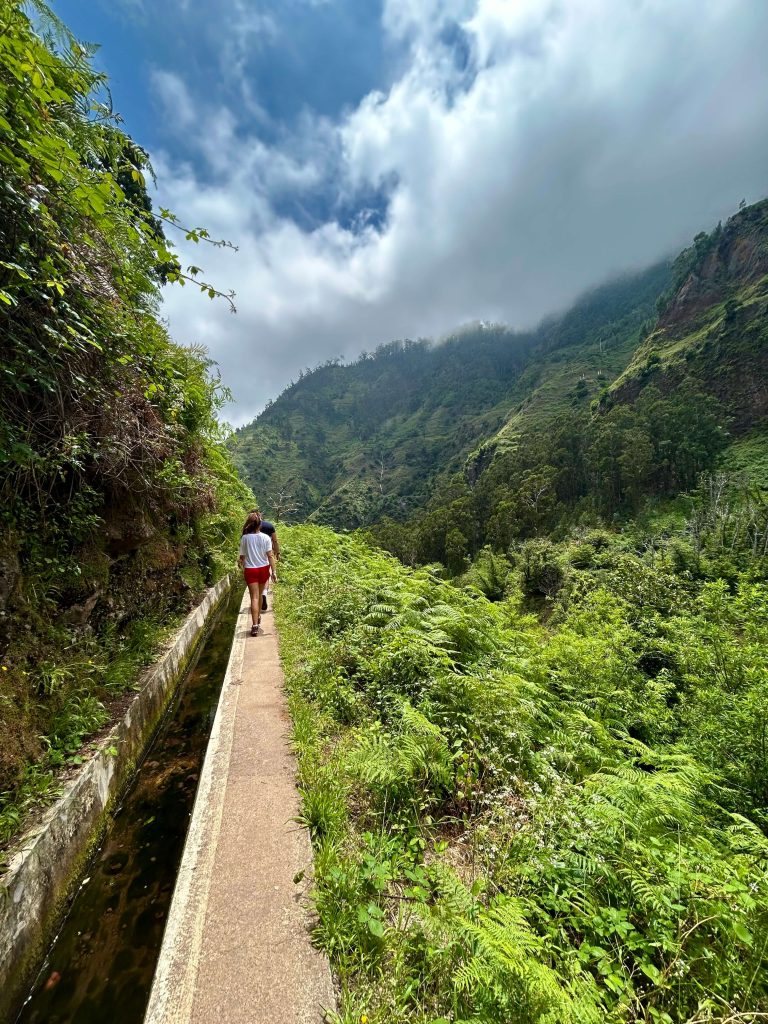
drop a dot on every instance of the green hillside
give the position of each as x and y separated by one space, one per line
532 758
373 433
713 324
748 456
350 444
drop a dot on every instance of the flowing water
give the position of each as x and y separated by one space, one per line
101 964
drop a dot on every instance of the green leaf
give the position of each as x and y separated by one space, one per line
650 970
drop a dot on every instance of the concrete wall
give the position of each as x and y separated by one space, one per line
45 867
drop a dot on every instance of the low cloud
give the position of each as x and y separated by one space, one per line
523 153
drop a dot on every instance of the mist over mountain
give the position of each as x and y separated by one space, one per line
388 434
346 444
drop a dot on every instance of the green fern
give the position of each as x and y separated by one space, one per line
527 839
503 969
414 757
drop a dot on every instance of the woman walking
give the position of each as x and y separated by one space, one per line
258 564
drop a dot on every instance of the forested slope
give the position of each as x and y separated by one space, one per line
636 391
352 443
118 501
691 402
384 423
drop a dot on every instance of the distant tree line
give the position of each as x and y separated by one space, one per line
601 466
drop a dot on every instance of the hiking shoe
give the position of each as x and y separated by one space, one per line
254 630
263 602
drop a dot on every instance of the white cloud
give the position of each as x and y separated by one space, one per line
249 29
585 137
173 94
423 19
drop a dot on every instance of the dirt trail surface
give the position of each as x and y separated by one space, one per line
237 947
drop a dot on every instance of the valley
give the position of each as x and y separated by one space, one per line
498 751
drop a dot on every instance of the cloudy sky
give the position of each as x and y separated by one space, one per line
395 168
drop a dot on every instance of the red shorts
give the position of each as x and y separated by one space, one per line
260 575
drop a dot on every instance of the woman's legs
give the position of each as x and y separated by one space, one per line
254 589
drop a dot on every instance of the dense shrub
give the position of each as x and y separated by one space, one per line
541 569
118 502
519 825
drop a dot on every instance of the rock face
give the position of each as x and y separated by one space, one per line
713 325
478 462
126 533
730 259
78 614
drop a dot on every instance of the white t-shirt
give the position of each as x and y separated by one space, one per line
254 548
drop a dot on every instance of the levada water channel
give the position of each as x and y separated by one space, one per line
101 964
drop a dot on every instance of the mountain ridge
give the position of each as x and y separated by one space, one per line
396 432
352 442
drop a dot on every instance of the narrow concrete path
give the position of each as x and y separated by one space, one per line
237 947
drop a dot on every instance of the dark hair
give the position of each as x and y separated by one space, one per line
253 522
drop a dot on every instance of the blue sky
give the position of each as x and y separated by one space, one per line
395 168
296 55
